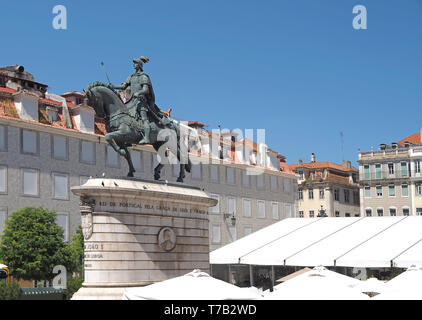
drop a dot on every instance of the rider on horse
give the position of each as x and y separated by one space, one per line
141 104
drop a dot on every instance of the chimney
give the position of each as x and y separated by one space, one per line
313 158
346 164
300 162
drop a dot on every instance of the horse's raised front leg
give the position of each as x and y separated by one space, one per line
110 139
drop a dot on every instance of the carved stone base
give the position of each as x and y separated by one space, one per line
140 232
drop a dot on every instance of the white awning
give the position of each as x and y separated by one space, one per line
231 254
382 249
349 242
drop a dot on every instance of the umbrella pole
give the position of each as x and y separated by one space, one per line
251 275
273 275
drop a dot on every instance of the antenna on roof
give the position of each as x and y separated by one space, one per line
342 143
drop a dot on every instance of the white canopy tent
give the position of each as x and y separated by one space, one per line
350 242
317 284
406 286
195 285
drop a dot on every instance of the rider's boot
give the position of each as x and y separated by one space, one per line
147 130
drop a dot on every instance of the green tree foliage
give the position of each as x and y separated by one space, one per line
32 244
73 285
9 291
77 247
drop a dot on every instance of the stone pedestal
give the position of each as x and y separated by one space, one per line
139 232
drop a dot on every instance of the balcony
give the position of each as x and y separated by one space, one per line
384 175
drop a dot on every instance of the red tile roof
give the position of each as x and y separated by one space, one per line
70 105
57 103
413 138
7 90
322 165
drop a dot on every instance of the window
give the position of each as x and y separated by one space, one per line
29 142
300 194
366 172
247 212
59 147
368 212
321 194
260 182
310 194
30 182
288 211
3 138
287 185
391 168
63 221
232 233
380 212
417 166
377 171
404 169
301 176
346 196
196 171
347 214
419 211
337 213
367 192
404 190
311 213
137 160
274 185
261 209
216 208
336 194
230 175
418 189
301 214
247 231
379 191
393 212
231 205
392 190
214 173
87 152
355 197
3 218
245 179
216 233
60 186
112 158
406 211
274 207
3 179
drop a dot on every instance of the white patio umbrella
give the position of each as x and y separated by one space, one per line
195 285
371 286
406 286
317 284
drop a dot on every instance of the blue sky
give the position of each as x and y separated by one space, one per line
295 68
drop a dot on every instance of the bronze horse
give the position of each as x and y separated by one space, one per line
124 130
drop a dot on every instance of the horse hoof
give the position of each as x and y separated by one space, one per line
179 180
130 174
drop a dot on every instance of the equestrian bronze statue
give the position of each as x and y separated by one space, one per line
139 121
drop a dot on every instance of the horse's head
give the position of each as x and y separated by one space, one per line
95 98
